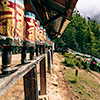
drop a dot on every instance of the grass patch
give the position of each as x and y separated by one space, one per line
84 86
60 56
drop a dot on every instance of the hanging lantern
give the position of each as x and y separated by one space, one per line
29 31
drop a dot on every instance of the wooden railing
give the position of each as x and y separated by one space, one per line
29 73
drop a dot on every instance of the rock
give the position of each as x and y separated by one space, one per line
64 68
55 84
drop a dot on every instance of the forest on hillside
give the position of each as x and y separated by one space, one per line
81 35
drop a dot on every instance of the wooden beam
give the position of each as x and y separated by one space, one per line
63 20
54 6
36 11
53 18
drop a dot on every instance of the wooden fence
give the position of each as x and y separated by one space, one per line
29 73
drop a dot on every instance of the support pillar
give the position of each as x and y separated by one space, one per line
23 55
30 84
49 62
37 50
6 59
40 49
31 53
42 77
43 49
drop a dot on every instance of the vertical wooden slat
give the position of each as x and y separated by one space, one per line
52 56
36 83
30 85
42 77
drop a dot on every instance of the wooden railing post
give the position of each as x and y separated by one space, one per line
42 77
31 53
49 62
6 59
52 56
30 84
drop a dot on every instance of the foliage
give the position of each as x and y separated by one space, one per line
71 61
81 35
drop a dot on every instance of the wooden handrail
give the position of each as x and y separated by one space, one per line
8 81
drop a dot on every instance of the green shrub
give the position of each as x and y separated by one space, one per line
69 62
78 63
60 53
68 55
72 64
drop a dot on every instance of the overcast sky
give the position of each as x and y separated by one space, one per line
89 8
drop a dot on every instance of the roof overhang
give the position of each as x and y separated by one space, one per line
54 15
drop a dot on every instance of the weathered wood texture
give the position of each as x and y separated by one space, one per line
42 77
8 81
30 84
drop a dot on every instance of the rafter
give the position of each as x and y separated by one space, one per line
53 18
54 6
36 11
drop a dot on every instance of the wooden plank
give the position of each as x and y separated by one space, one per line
42 77
33 6
8 81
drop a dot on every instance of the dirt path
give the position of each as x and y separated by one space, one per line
63 86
